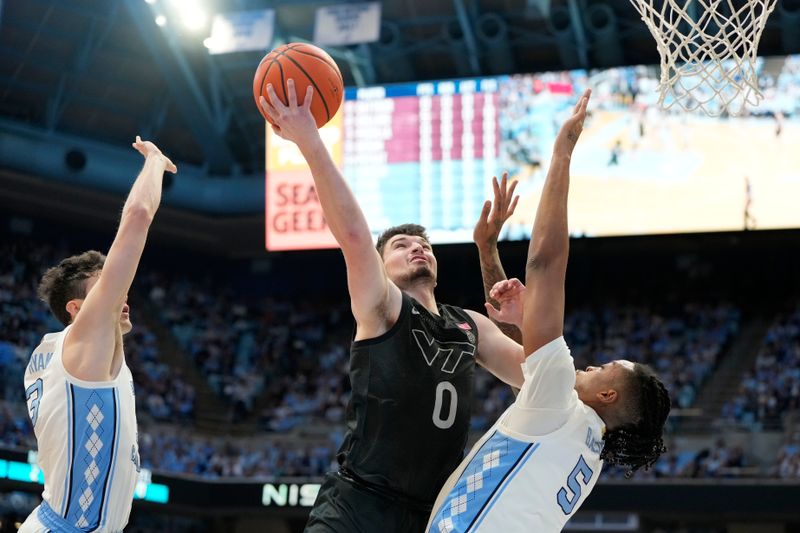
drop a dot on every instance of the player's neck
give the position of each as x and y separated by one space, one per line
423 293
119 355
605 413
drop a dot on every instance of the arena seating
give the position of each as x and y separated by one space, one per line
286 363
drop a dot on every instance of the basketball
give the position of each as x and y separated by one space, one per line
306 65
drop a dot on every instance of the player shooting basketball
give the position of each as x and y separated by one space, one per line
78 387
412 359
537 464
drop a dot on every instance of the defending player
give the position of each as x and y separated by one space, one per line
78 387
412 359
535 467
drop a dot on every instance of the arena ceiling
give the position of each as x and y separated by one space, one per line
103 70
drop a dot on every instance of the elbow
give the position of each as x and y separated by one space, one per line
545 259
520 356
138 214
355 239
536 263
546 249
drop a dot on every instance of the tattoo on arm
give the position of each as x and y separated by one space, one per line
492 272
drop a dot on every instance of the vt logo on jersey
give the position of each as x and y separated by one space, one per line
450 352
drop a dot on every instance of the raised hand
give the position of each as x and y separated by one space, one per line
293 122
510 295
147 148
572 128
495 214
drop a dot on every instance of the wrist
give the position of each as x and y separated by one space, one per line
156 157
311 145
488 251
486 247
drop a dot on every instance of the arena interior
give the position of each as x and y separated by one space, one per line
685 251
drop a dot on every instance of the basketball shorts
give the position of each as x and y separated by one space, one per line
343 506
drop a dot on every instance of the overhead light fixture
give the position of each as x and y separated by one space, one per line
195 20
161 20
191 14
150 1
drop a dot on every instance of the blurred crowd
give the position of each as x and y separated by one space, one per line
161 392
283 366
270 458
788 462
719 460
682 345
286 357
771 388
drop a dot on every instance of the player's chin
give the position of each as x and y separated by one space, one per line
422 271
125 325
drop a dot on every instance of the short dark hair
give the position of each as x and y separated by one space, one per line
67 281
638 442
414 230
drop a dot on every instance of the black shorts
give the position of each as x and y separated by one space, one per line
345 507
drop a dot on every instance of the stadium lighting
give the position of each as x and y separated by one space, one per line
191 14
161 20
195 20
150 1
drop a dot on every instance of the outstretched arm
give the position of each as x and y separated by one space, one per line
89 346
497 353
485 235
374 299
546 267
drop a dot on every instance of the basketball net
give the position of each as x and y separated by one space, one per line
708 51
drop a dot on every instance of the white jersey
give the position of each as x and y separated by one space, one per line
86 432
536 465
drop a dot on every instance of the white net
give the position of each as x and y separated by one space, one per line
708 51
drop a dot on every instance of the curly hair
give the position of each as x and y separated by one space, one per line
639 443
414 230
67 281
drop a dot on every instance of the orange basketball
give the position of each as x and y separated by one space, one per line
306 65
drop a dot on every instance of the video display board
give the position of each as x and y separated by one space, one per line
426 153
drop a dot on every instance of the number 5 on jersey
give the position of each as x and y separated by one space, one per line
568 502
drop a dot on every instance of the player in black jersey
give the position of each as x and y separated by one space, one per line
412 359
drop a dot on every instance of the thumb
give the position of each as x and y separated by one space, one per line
493 313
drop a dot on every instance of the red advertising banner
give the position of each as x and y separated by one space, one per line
294 219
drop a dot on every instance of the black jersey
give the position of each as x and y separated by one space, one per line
408 416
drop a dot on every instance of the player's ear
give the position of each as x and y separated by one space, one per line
73 306
607 396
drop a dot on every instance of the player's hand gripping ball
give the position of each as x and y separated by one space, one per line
306 65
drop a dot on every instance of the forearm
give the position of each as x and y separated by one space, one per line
492 272
550 237
342 212
145 193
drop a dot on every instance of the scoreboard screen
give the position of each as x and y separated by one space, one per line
420 153
426 153
411 153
